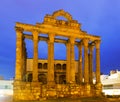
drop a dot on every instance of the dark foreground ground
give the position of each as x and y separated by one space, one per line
9 99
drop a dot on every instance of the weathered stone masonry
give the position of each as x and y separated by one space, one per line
35 89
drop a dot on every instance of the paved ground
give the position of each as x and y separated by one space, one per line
5 98
9 99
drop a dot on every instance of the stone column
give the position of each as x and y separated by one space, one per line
80 75
68 63
91 64
25 64
97 44
86 74
50 76
23 61
72 60
35 56
19 40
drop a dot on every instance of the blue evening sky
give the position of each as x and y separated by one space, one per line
98 17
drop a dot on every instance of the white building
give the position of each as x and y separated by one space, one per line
111 83
6 87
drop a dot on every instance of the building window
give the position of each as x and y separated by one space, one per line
30 77
6 87
64 66
107 86
58 66
39 65
45 65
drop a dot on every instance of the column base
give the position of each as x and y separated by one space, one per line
35 83
51 83
72 82
17 80
98 87
87 90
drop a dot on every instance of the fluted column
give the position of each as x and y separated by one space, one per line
25 63
86 74
68 63
91 63
35 56
80 75
72 60
23 60
19 40
97 44
50 76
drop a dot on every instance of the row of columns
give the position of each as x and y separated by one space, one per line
88 62
70 70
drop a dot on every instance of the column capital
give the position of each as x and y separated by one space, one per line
35 35
80 44
72 40
97 44
66 44
35 30
51 37
18 29
91 47
85 42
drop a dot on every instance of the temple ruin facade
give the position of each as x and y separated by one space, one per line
37 79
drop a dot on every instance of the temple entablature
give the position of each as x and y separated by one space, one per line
58 31
45 79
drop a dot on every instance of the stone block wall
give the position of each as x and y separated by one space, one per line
37 91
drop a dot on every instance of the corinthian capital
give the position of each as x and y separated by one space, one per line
35 35
91 47
97 44
51 38
72 40
85 42
18 29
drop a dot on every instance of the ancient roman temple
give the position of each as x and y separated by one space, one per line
36 78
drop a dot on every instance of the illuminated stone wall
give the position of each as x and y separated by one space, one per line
27 85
